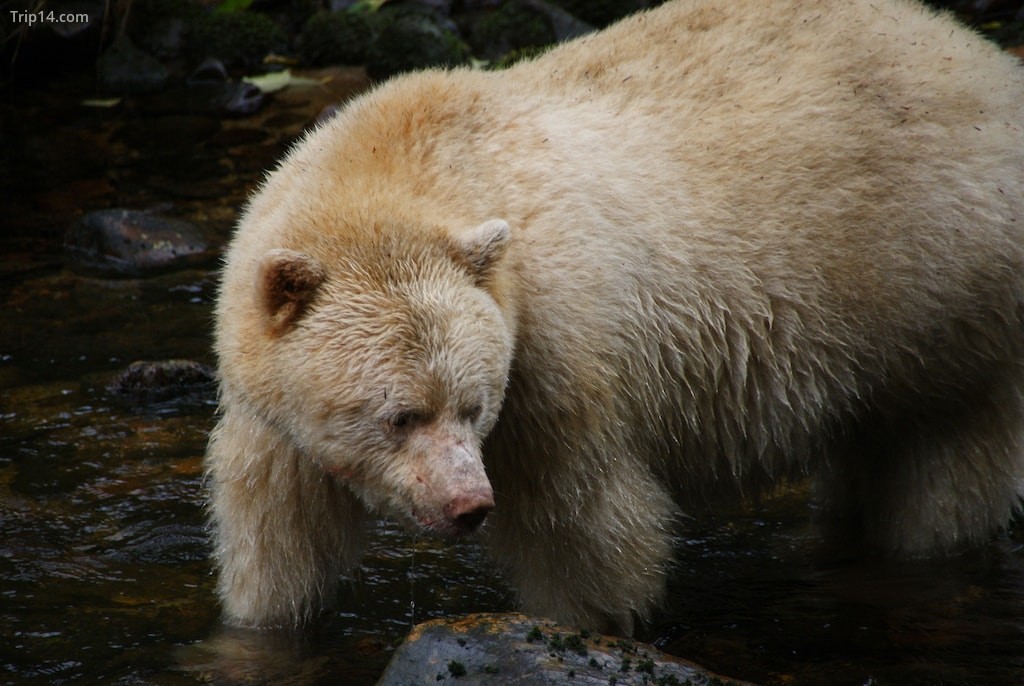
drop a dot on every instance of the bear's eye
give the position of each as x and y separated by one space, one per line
403 419
472 413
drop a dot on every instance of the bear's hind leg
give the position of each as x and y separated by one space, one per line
283 529
934 482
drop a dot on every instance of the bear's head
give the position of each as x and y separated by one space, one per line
384 357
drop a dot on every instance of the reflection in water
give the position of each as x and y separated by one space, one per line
104 571
764 591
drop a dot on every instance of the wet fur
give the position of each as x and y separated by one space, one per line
746 241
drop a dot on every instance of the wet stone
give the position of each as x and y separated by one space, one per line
211 70
240 99
500 649
146 382
126 70
132 242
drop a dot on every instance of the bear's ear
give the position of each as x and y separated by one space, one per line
286 282
481 248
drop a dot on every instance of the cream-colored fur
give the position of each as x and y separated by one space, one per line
717 244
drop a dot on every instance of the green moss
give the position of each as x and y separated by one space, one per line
625 645
645 665
513 27
335 38
516 56
409 40
575 643
456 669
239 39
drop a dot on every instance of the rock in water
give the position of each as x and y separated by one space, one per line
497 649
134 242
145 381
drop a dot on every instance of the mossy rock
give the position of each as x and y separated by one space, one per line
516 56
410 40
507 649
513 27
161 26
335 38
124 69
238 39
600 13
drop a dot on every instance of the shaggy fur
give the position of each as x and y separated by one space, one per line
715 245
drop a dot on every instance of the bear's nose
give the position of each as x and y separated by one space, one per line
467 512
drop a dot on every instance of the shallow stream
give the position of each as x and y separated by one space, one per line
104 570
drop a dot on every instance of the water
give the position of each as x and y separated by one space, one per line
104 569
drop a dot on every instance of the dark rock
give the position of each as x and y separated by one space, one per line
211 90
148 382
240 99
210 71
210 98
238 39
335 38
163 26
132 242
124 69
515 26
499 649
603 12
408 40
564 25
440 7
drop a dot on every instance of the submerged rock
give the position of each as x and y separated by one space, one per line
133 242
211 90
147 382
498 649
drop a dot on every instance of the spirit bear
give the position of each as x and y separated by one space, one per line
714 246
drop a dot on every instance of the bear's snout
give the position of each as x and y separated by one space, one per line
465 513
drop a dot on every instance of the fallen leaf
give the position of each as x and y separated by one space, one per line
101 102
279 80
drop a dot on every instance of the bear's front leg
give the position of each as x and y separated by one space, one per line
592 554
283 529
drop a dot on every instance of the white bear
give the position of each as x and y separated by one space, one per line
712 247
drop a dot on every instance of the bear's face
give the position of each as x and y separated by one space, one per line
390 364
